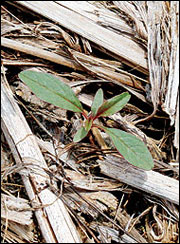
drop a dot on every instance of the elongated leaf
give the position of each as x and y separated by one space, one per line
83 131
80 134
131 148
51 90
98 101
88 124
113 105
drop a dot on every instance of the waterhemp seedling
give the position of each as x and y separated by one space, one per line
52 90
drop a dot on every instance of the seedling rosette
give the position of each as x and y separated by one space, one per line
50 89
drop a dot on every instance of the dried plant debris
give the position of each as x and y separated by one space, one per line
116 46
17 223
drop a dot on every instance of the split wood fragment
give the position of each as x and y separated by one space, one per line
148 181
38 52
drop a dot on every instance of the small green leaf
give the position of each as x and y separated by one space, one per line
51 90
80 134
114 104
98 101
131 148
88 124
83 131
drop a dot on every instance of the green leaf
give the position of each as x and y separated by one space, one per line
98 101
113 105
88 124
51 90
131 148
83 131
80 134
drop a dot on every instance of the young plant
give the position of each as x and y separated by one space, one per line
52 90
